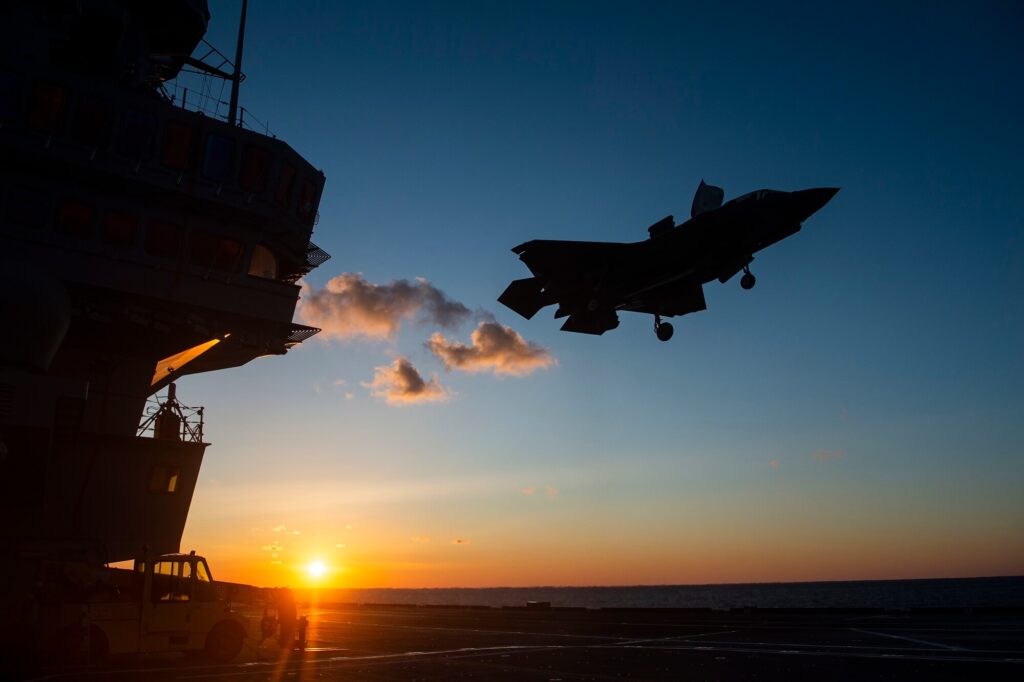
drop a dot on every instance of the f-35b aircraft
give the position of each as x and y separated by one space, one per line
663 275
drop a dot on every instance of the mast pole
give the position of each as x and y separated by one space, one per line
236 78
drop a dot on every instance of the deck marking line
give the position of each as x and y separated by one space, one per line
680 638
934 655
480 631
339 661
925 642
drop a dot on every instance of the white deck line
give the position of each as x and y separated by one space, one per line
925 642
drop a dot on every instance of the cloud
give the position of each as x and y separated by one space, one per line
824 456
528 491
348 306
401 384
774 464
280 529
420 538
272 548
336 387
493 348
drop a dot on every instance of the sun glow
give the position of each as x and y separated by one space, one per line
316 569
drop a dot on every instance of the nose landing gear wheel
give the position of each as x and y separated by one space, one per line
663 330
747 281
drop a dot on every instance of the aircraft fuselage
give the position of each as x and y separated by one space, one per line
663 275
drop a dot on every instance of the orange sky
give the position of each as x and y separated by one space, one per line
522 536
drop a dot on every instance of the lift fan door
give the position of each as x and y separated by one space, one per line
707 198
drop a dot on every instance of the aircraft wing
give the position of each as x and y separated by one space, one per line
567 260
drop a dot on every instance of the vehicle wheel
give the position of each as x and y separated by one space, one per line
664 331
224 642
748 281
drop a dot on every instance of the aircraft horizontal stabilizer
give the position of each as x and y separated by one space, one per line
523 296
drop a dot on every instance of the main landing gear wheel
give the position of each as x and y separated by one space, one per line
747 281
663 330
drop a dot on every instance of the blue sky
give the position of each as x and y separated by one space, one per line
889 330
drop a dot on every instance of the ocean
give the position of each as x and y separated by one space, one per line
888 594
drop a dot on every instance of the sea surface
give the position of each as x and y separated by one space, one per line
888 594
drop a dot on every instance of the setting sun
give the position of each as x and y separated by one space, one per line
316 568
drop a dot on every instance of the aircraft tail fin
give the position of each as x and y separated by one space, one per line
707 198
523 296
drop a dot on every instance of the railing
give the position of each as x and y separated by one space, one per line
300 333
167 419
199 90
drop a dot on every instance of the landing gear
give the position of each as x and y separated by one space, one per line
747 281
663 330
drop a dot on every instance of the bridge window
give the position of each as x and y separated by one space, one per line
119 228
263 263
219 159
214 251
179 145
164 479
76 218
93 122
285 183
137 135
49 104
306 200
163 239
255 165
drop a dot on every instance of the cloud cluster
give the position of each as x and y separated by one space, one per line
824 456
549 490
401 384
349 306
493 348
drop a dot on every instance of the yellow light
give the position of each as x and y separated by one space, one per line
170 364
316 569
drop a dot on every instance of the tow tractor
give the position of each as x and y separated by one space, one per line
168 602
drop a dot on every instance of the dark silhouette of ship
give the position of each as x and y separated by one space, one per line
142 239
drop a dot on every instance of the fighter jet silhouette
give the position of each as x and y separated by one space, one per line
663 275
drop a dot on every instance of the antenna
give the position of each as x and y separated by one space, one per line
236 77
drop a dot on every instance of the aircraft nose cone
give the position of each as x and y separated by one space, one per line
809 201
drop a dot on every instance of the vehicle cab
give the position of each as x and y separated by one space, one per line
167 602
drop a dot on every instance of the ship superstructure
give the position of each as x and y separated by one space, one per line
140 241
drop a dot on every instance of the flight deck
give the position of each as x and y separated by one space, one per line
440 643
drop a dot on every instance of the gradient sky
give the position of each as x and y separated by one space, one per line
857 415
